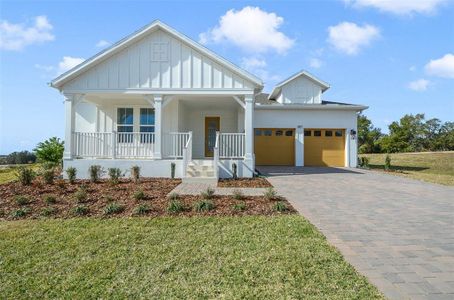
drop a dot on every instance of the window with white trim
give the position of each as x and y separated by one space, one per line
125 124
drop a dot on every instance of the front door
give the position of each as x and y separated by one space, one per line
211 126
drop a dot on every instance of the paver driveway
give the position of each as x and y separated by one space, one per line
398 232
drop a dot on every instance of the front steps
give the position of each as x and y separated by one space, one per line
200 171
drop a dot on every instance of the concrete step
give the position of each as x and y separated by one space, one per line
201 162
200 174
209 181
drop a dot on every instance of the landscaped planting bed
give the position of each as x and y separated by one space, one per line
255 182
148 197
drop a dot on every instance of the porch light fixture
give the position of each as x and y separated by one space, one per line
353 134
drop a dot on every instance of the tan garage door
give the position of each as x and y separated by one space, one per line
324 147
274 146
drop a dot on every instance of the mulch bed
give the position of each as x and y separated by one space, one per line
255 182
103 193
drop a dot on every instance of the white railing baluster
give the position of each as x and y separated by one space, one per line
231 145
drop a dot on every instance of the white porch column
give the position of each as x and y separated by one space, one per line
71 101
249 132
157 99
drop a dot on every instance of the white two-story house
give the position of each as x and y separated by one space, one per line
158 98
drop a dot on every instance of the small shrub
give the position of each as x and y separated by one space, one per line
139 194
207 194
203 205
270 194
50 199
48 211
364 162
173 196
113 208
172 170
234 171
95 172
280 206
21 200
80 210
142 209
109 198
135 173
60 183
48 176
175 206
25 175
19 213
71 172
387 162
114 175
237 194
50 150
241 206
81 195
48 165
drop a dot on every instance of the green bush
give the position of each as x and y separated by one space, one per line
237 194
114 175
95 172
19 213
81 195
50 199
207 194
50 150
22 200
203 205
49 175
25 175
142 209
139 194
175 206
270 194
364 162
80 210
173 196
48 211
280 206
387 162
241 206
113 208
135 173
71 172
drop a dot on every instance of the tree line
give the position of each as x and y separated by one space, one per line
412 133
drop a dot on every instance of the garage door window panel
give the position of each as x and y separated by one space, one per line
328 133
317 133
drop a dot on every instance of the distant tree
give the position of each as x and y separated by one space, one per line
407 135
444 139
50 150
368 136
22 157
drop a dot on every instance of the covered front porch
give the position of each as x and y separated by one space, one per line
149 127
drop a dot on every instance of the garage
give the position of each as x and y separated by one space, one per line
274 146
324 147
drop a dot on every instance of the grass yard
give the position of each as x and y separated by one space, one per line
8 174
435 167
174 257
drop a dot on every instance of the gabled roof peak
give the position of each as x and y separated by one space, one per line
324 85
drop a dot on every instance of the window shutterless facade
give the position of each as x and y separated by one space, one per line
126 124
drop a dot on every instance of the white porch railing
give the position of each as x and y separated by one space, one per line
187 153
216 156
174 142
231 145
134 144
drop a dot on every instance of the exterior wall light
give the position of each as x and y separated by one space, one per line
353 134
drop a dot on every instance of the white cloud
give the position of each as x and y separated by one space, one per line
252 62
399 7
251 29
419 85
67 63
315 63
442 67
349 37
102 44
16 37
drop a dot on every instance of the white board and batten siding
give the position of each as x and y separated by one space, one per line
301 90
159 60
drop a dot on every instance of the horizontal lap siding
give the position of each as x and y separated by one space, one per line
134 67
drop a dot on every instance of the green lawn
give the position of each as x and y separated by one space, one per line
436 167
8 174
197 257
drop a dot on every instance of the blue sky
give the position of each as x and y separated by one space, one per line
395 56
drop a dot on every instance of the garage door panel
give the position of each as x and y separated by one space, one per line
326 149
274 146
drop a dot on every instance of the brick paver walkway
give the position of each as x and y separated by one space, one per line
398 232
195 188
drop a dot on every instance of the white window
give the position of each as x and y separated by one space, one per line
160 51
147 120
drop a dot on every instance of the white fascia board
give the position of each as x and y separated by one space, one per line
353 107
60 80
275 92
194 91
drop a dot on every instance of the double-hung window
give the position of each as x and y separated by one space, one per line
146 124
125 124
